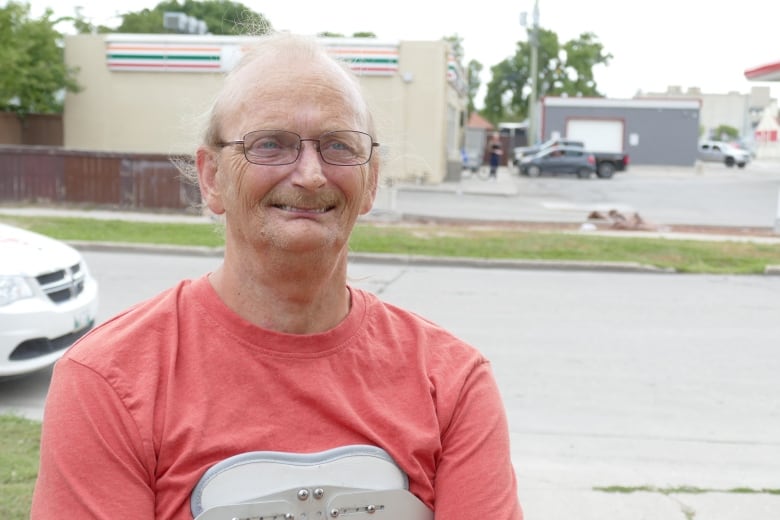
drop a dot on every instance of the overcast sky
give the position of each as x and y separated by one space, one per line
654 44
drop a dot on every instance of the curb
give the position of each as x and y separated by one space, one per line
395 259
490 263
114 247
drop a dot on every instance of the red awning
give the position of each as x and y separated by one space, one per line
477 121
769 72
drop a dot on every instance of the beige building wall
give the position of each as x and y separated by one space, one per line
409 110
417 108
138 112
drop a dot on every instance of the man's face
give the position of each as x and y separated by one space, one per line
307 206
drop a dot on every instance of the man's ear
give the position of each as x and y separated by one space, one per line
372 184
206 162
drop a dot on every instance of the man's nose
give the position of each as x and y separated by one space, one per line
308 172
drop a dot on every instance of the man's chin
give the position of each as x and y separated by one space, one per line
308 236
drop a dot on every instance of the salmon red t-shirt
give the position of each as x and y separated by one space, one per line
142 406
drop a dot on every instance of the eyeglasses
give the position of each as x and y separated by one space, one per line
280 147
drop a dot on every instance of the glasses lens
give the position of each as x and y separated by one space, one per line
271 147
345 147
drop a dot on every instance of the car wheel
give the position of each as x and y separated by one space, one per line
583 173
741 165
534 171
729 161
606 170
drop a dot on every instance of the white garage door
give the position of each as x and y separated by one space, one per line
599 135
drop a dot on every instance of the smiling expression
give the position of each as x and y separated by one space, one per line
301 207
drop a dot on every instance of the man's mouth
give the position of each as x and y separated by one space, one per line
302 204
298 209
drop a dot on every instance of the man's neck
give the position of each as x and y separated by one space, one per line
294 295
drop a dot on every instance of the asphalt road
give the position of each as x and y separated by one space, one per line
631 380
609 379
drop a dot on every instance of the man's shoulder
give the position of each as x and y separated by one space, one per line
393 321
134 334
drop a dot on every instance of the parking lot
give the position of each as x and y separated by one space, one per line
709 195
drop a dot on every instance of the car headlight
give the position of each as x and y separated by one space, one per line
13 288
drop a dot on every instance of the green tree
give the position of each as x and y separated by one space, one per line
34 74
83 26
221 17
562 70
725 133
456 44
473 70
361 34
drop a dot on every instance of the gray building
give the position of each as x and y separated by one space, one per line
650 131
734 109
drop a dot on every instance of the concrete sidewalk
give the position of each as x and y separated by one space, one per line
503 185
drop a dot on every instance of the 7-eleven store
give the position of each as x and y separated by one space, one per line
150 93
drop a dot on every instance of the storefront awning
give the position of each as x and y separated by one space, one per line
769 72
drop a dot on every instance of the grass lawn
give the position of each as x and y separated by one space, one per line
485 242
19 440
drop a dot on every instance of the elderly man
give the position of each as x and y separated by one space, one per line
274 353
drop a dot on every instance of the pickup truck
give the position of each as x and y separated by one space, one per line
607 163
722 152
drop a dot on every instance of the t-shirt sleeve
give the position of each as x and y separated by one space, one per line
93 462
475 477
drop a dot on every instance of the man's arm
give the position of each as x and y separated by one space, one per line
93 462
475 477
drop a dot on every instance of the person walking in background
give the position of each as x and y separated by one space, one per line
274 352
495 155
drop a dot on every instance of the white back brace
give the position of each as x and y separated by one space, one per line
355 482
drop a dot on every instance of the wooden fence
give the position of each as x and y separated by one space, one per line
52 175
32 129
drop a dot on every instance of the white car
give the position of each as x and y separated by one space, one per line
722 152
48 299
522 152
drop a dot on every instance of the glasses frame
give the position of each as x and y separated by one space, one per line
301 140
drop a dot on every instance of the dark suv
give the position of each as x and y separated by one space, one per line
559 159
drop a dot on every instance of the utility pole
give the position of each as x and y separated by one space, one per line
532 115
